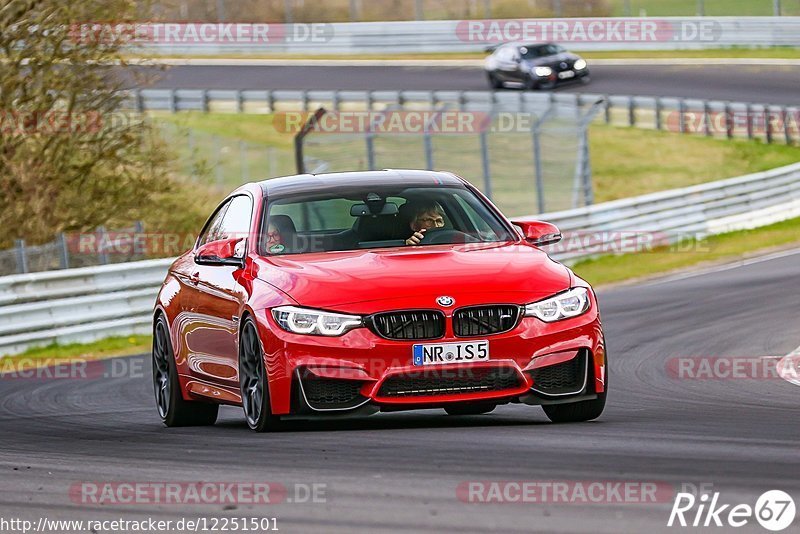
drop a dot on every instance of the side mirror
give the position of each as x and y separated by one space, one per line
223 252
539 233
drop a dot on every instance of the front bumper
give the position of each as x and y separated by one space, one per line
535 362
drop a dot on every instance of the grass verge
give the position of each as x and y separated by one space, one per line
55 353
611 269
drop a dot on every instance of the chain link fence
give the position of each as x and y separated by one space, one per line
224 162
71 250
531 161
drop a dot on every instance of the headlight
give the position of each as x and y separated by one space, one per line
305 321
580 64
563 306
543 71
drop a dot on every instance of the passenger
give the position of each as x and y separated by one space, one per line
422 216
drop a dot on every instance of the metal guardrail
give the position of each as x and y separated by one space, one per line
668 33
712 118
94 302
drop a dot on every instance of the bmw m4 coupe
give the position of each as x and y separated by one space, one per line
317 296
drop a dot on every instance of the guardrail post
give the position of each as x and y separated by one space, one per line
749 118
707 119
681 116
659 108
728 121
785 119
335 101
487 176
102 255
271 101
173 100
768 123
370 102
204 101
139 99
304 98
631 111
239 101
776 8
64 250
428 144
22 258
462 101
607 108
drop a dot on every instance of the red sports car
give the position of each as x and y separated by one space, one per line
347 294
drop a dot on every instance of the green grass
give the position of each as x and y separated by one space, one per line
56 353
730 246
629 162
776 52
718 8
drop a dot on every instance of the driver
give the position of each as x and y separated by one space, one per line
422 216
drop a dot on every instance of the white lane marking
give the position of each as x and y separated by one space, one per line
474 63
789 367
722 268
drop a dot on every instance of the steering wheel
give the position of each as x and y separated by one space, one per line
442 236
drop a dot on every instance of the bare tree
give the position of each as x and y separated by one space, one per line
69 158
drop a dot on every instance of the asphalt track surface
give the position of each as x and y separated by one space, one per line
399 472
771 84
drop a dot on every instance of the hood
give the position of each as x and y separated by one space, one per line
365 281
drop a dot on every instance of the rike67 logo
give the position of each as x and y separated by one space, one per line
774 510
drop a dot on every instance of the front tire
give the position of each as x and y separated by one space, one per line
253 381
579 411
494 81
172 408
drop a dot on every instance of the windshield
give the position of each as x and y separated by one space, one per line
532 52
378 217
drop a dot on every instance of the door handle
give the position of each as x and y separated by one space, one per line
195 278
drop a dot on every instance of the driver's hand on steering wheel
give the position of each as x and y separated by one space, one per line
416 238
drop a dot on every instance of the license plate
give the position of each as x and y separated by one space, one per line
443 353
566 74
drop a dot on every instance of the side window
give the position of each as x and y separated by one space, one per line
232 220
236 222
212 230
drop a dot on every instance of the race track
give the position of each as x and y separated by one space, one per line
773 84
401 471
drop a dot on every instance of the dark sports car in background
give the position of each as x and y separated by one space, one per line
534 66
309 296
